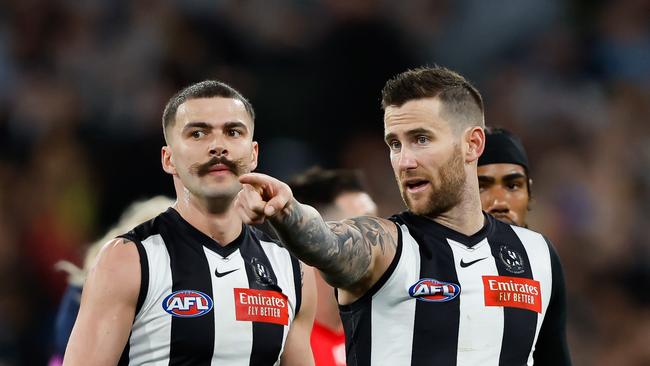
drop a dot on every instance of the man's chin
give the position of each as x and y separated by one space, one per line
506 219
222 191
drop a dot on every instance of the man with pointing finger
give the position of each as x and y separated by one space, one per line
442 283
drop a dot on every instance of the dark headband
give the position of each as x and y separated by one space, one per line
502 147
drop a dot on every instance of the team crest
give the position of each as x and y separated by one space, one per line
512 260
262 273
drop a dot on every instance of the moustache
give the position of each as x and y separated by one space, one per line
203 169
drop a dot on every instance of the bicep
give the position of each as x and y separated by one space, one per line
373 239
107 308
297 350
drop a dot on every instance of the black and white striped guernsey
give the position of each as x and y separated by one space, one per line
493 298
204 304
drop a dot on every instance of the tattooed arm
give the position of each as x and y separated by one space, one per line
351 254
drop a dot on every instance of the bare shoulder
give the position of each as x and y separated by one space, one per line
116 268
108 304
375 231
370 236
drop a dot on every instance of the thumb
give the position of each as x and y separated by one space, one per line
275 205
278 202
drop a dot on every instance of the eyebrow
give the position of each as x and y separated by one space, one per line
202 125
207 126
413 132
513 176
235 124
505 178
486 179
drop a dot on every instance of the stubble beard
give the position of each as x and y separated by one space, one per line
447 195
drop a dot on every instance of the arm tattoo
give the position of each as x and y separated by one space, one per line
342 250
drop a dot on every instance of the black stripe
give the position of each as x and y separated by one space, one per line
144 276
297 281
142 294
430 344
519 325
357 323
357 316
267 337
124 358
551 347
192 339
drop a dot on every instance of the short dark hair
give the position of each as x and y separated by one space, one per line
203 89
459 96
320 187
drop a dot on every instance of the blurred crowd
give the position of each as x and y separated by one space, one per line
83 84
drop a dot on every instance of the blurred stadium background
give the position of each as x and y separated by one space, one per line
83 84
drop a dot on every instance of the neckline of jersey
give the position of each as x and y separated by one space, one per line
201 239
448 233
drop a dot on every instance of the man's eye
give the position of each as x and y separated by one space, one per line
197 134
394 145
234 133
422 139
514 186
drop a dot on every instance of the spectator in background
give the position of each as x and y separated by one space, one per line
337 195
135 214
503 177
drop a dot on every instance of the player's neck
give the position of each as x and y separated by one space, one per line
223 226
466 217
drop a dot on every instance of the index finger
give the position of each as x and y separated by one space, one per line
255 179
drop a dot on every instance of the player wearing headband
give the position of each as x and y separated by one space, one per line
503 177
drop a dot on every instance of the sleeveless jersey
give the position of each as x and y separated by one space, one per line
204 304
493 298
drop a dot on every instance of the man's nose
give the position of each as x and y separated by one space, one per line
407 159
498 201
217 148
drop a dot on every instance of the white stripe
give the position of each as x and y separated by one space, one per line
152 326
539 257
480 329
233 340
281 263
392 301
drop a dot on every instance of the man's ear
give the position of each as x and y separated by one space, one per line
167 160
254 155
474 139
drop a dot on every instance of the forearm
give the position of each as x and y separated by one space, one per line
338 249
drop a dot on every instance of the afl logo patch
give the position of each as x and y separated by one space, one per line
512 260
187 304
428 289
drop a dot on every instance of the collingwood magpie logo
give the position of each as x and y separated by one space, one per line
512 260
262 273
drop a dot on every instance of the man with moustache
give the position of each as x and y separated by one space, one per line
442 283
503 177
195 285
